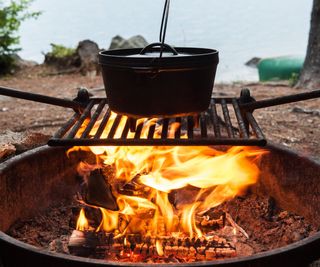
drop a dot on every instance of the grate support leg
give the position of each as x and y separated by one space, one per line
245 97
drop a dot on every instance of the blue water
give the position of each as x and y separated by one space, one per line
240 30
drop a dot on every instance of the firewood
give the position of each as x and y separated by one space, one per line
137 249
144 250
99 192
82 243
210 254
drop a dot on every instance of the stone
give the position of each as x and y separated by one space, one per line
88 51
14 143
21 63
253 62
119 42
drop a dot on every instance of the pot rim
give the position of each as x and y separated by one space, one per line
188 56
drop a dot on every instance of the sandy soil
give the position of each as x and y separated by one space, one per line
281 124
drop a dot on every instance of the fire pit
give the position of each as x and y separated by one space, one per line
32 182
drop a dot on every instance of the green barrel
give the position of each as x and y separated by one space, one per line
279 68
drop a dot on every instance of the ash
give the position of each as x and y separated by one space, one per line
266 225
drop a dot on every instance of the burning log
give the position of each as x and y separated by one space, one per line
212 223
82 243
99 192
134 247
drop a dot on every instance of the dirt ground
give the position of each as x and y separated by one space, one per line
295 125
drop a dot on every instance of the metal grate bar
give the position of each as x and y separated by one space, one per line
214 117
66 127
177 134
226 115
125 130
203 126
79 123
152 129
114 126
103 124
165 127
243 131
255 126
190 127
157 142
138 131
94 118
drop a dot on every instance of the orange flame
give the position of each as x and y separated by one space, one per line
216 176
159 248
82 222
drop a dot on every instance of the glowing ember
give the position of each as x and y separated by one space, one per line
213 176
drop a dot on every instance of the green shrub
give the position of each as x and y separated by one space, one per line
293 80
60 51
11 15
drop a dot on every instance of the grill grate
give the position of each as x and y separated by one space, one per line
224 123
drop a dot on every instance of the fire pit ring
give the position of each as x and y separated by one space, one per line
292 179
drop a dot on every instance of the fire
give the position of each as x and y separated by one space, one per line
213 176
82 222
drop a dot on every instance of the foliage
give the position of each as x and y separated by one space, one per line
294 79
12 14
61 51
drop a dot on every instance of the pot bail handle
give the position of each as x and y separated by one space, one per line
163 47
164 23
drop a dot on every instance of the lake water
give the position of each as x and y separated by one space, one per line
240 30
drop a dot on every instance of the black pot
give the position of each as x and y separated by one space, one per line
149 83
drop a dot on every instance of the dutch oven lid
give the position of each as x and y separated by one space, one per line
154 55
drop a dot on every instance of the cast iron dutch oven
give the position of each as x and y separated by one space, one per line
159 80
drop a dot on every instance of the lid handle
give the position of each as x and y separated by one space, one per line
161 45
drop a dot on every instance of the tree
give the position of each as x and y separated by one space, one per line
310 75
11 16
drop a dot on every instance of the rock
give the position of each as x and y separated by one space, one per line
22 63
59 245
83 59
253 62
119 42
6 150
62 62
88 51
244 249
14 143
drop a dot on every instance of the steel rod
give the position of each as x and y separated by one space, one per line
94 118
214 118
190 127
79 123
67 126
255 126
138 131
203 126
243 131
152 128
157 142
227 119
103 124
177 134
125 130
280 100
114 127
40 98
165 127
